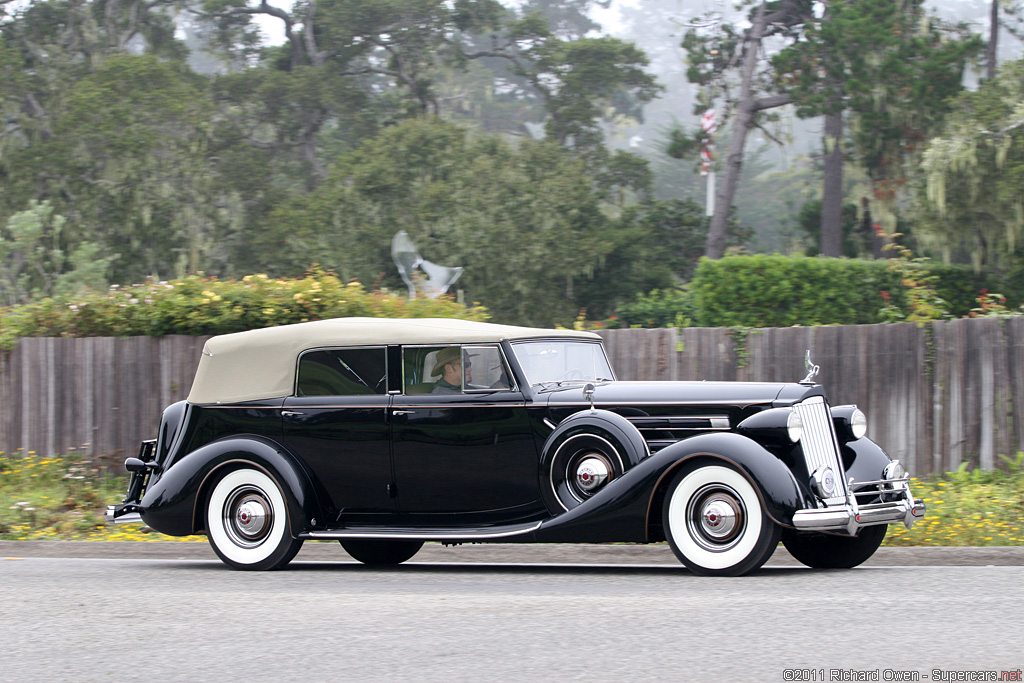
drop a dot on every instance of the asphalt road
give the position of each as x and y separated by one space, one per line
616 613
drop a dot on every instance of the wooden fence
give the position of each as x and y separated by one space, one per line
98 395
935 396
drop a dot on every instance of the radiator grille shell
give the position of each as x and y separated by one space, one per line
819 444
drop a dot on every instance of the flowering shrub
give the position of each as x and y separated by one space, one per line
992 305
198 305
923 300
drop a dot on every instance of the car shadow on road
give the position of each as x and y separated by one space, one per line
480 568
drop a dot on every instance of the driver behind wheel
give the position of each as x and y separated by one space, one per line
450 367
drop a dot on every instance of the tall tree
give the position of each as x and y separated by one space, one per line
714 58
526 223
830 59
971 199
880 63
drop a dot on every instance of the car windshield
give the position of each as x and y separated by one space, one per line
562 361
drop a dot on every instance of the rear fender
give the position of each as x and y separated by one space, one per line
174 504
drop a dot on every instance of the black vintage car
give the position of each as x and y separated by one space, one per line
384 434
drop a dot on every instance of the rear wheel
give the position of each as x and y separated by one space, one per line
714 522
381 552
247 521
824 551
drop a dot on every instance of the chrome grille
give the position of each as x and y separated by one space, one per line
819 443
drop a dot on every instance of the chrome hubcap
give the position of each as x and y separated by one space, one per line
591 473
248 517
718 517
715 517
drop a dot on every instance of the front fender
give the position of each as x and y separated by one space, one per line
172 505
630 506
863 460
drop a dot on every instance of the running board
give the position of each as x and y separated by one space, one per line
457 534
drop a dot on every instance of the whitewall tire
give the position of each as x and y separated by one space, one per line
247 521
714 522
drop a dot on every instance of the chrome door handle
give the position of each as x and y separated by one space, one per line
403 412
290 413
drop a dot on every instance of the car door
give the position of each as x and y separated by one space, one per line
337 423
466 455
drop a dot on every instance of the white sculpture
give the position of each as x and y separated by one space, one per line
433 281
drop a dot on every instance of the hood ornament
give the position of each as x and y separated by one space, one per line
812 369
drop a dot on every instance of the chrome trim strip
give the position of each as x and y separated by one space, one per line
402 405
425 535
680 421
668 404
679 429
379 406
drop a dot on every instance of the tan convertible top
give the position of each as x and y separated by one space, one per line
260 364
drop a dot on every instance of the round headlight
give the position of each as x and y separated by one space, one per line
776 426
850 423
795 427
858 424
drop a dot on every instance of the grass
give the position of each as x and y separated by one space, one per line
968 507
63 498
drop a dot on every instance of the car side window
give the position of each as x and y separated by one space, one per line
342 372
454 369
489 372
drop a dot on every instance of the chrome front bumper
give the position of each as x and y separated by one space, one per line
898 505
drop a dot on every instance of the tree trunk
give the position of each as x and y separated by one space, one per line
832 194
993 41
737 140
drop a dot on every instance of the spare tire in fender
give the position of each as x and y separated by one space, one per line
586 451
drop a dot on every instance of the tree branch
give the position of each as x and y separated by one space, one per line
1004 131
298 50
770 102
764 130
308 34
32 107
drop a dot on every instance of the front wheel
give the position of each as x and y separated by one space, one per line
714 522
247 522
824 551
381 552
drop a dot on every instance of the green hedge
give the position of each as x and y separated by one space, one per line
780 291
199 305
